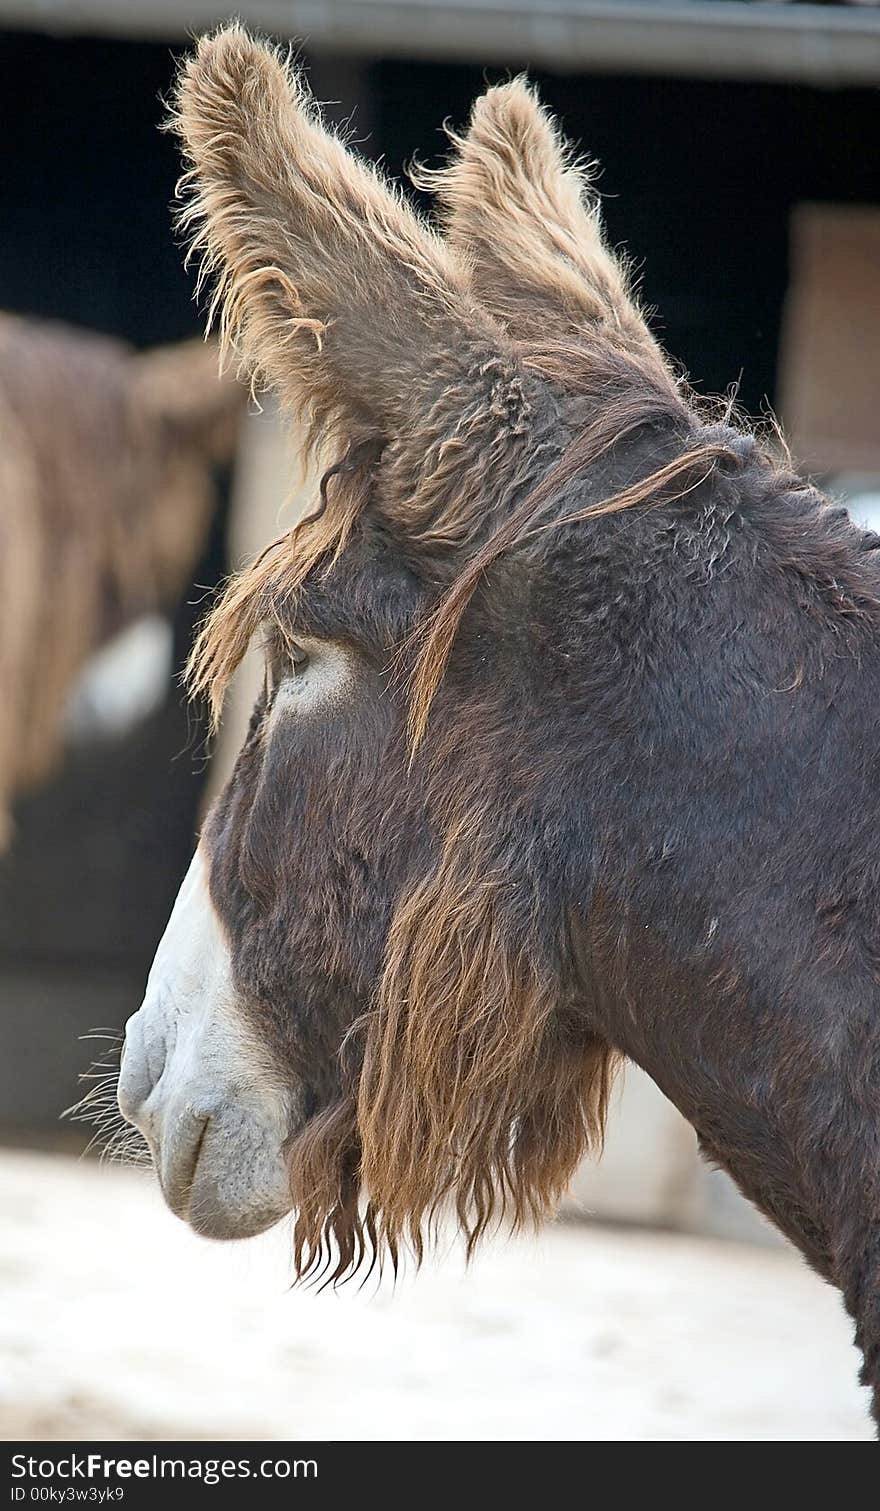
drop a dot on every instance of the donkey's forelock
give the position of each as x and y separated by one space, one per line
266 592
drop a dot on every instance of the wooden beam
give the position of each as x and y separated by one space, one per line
804 43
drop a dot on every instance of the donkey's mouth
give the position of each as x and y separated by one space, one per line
224 1174
177 1163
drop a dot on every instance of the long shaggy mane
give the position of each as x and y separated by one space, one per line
470 1095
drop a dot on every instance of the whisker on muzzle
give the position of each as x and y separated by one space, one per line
115 1140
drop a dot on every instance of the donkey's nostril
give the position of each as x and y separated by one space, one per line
135 1077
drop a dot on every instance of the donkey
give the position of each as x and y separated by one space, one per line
107 461
568 750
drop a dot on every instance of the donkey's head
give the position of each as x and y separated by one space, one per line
367 1004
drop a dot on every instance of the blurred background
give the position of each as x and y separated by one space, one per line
740 148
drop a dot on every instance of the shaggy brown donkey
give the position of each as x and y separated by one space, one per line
107 461
569 749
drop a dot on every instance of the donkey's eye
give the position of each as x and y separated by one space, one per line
311 675
285 657
297 657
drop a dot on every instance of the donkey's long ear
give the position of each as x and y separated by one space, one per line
328 286
516 201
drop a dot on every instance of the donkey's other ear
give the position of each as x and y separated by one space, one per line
328 286
514 199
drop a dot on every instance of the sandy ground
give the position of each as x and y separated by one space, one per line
115 1321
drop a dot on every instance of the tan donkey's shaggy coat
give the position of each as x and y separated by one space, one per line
107 490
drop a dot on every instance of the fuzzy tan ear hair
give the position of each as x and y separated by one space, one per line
331 290
327 284
517 203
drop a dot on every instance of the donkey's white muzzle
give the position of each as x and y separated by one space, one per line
197 1085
